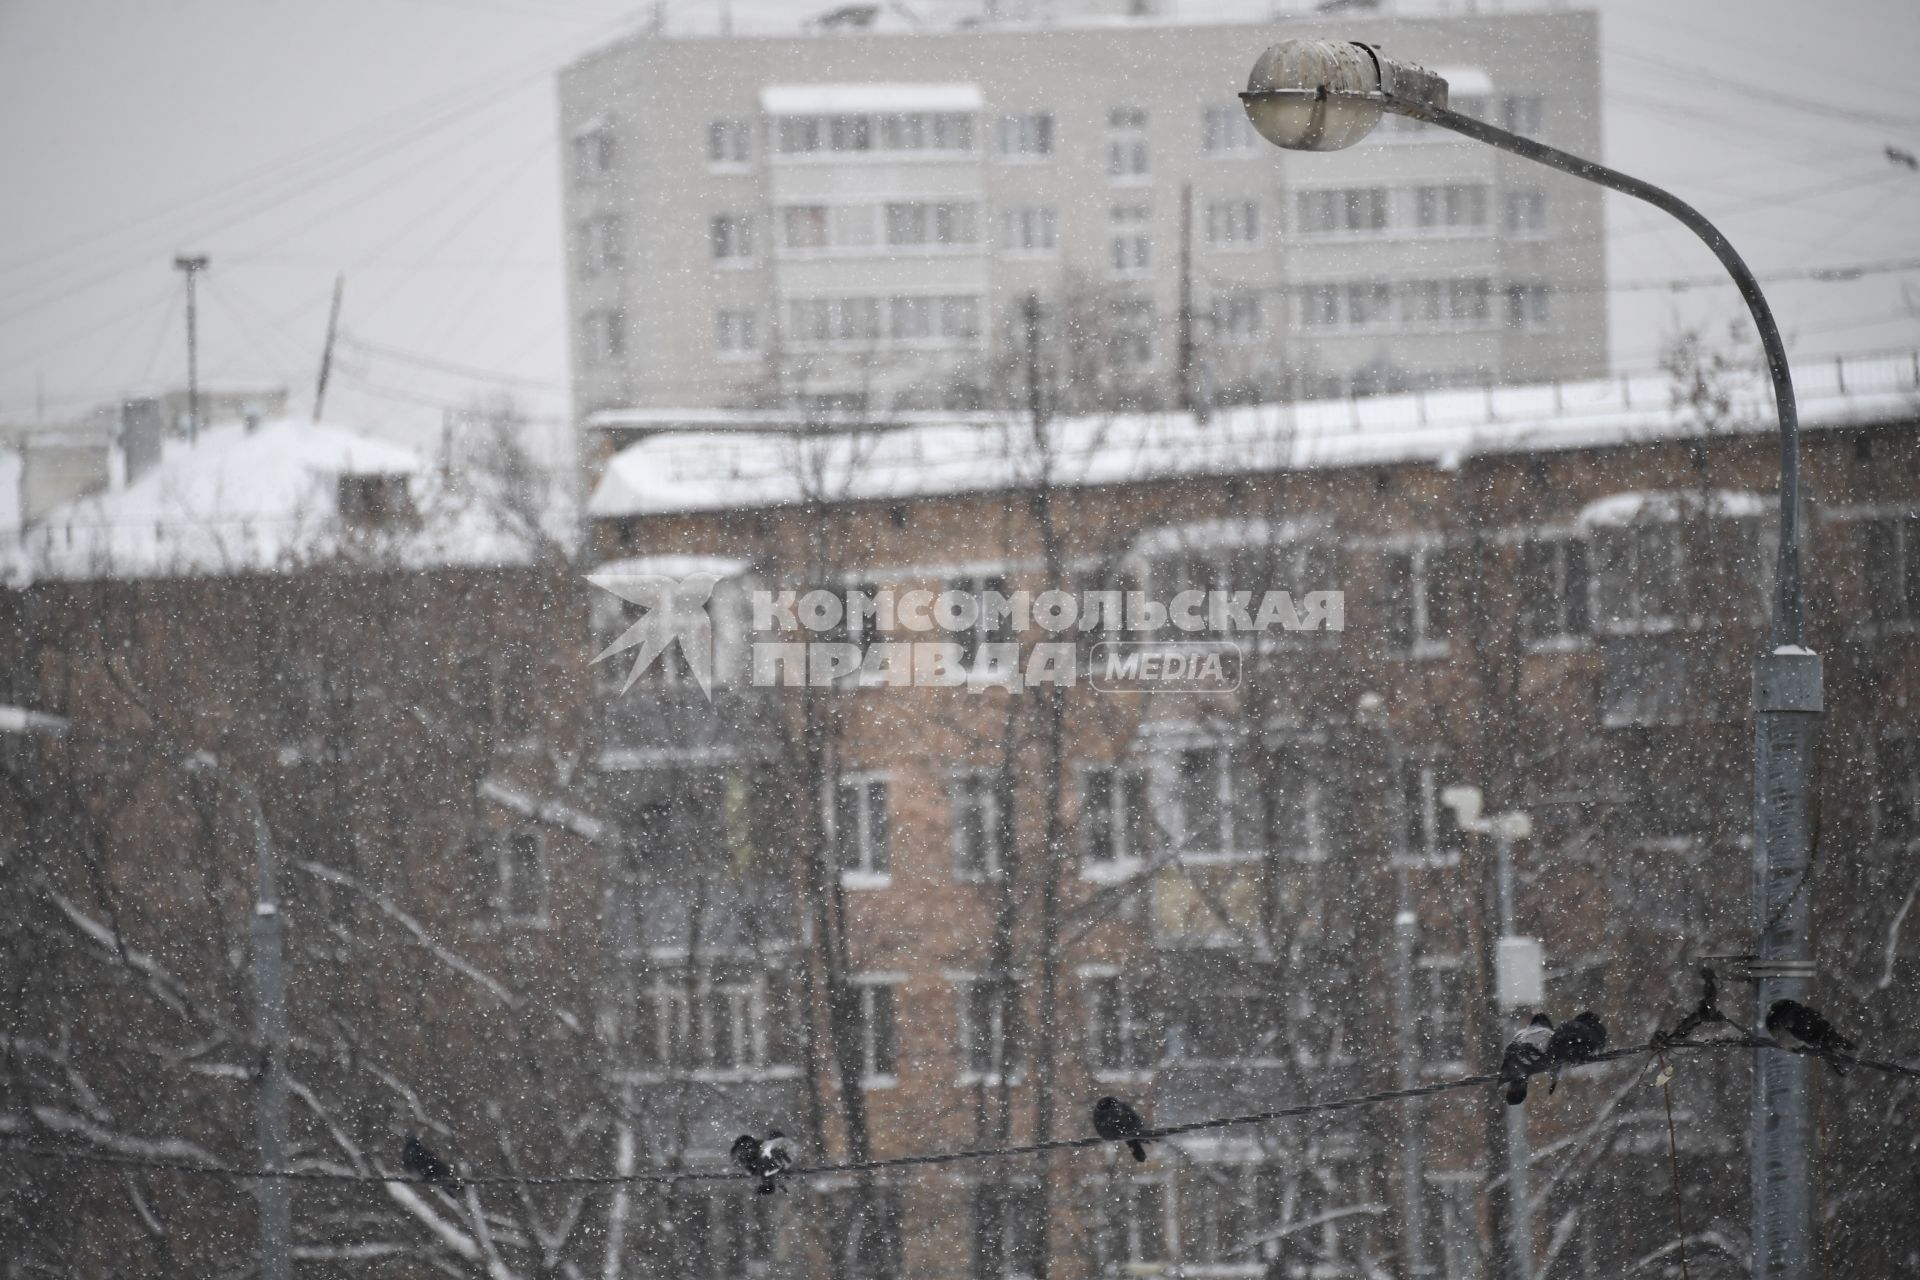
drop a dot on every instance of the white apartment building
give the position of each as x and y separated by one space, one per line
856 215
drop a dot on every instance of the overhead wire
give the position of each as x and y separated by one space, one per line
1381 1097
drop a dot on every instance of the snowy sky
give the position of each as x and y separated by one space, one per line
411 144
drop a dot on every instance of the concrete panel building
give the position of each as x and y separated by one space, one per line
854 217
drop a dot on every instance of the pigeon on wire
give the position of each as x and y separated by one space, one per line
420 1161
767 1159
1115 1121
1703 1014
1574 1041
1526 1053
1798 1027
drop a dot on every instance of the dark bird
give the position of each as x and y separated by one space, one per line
1115 1121
766 1159
1574 1041
1798 1027
1901 156
422 1163
1526 1053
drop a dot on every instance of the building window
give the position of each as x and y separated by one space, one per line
1026 137
724 1232
823 322
799 136
730 237
1527 306
1130 340
1226 1022
1446 302
736 332
878 1054
986 1023
1233 224
593 153
1639 571
948 223
1553 591
1131 247
600 242
1218 1214
1890 553
1368 305
862 838
1120 1034
720 1016
1009 1230
1127 144
1343 211
1521 112
730 144
1141 1234
868 1224
1454 207
520 871
985 595
603 335
1116 821
1238 316
1217 801
1526 211
1429 828
1227 131
1441 1010
1029 229
982 825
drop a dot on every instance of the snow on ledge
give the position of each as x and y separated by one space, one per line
853 99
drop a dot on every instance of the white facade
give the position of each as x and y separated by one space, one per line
857 217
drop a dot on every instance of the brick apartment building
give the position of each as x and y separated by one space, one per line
1018 902
557 927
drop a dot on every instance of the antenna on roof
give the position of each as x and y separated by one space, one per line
326 352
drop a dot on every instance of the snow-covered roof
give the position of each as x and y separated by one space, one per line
733 466
847 99
267 500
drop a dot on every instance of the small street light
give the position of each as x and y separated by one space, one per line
1324 95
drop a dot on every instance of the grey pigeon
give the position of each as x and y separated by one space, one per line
1526 1053
1578 1039
1798 1027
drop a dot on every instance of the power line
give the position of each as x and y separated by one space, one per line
210 1169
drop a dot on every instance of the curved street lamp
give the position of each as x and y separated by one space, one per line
1325 95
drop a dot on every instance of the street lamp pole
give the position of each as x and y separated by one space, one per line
1323 95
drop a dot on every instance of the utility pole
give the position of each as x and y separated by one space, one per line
270 1028
1185 354
1508 990
192 264
326 352
1406 929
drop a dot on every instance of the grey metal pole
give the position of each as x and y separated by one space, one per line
192 265
1787 706
1406 931
270 1026
1519 1209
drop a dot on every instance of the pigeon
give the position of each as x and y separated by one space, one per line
422 1163
1798 1027
765 1159
1115 1121
1526 1053
1574 1041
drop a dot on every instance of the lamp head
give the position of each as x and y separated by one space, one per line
1325 95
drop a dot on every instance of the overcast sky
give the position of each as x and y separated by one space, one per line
411 145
